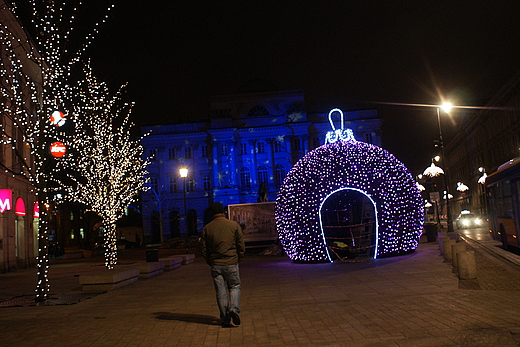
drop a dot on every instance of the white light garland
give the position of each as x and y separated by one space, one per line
107 161
35 82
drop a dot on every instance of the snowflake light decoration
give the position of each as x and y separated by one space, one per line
348 164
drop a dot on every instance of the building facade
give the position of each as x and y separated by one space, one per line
240 155
487 138
18 208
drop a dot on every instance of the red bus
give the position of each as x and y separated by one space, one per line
503 189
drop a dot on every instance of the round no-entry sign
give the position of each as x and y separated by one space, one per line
58 149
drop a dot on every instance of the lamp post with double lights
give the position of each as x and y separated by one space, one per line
184 174
446 107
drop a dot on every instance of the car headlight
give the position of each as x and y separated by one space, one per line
478 221
466 222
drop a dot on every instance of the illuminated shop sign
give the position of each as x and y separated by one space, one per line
19 209
6 196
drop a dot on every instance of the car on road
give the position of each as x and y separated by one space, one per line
469 220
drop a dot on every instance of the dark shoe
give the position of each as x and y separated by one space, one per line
235 317
226 323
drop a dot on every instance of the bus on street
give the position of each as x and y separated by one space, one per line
503 187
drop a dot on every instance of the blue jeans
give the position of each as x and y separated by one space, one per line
226 277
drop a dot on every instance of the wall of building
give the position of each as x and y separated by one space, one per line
487 138
241 154
18 227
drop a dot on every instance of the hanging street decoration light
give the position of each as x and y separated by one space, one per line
461 187
433 171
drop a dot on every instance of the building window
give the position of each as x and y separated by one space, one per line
206 182
224 150
153 154
190 185
262 175
245 178
173 184
279 174
243 149
260 147
153 183
278 146
296 144
171 153
258 111
187 153
204 151
369 138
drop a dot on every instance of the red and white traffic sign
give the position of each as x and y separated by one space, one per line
58 149
58 118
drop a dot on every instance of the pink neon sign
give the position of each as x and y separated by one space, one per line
6 196
19 209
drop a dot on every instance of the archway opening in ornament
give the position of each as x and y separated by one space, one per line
348 220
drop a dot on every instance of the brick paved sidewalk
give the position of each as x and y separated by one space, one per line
412 300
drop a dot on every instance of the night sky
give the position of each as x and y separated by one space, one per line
349 54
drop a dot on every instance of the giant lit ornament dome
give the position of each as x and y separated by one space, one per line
344 163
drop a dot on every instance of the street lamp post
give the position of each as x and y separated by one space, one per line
184 174
483 202
434 171
446 107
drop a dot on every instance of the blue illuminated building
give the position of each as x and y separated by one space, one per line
240 154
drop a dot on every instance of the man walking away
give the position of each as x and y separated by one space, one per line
222 246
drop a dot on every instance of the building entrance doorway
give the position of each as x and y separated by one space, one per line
348 220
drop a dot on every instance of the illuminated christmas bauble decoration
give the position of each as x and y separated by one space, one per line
348 165
58 118
58 149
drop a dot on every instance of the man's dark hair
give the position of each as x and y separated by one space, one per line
216 208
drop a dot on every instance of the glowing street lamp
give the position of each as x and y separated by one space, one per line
433 171
482 179
446 107
483 196
461 187
184 174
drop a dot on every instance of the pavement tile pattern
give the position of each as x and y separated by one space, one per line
411 300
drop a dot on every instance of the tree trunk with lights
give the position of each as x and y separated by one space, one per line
110 238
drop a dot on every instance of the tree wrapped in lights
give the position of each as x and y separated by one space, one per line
107 160
35 76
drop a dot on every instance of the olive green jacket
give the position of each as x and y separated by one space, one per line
222 242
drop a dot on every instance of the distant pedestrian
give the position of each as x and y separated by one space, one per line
222 245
